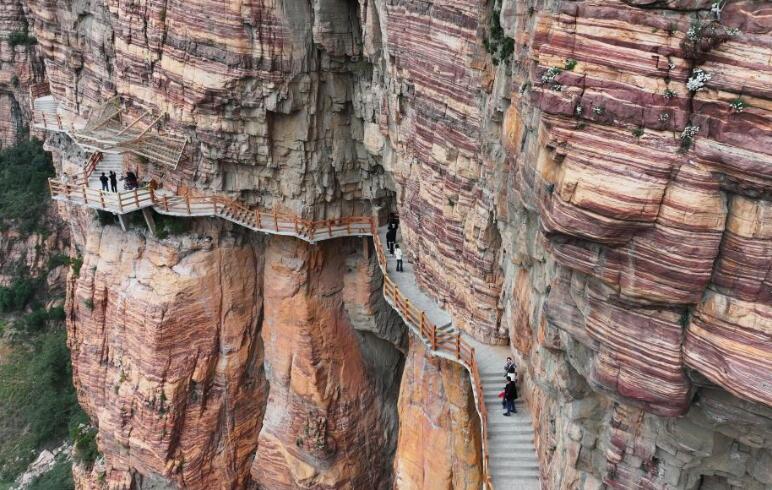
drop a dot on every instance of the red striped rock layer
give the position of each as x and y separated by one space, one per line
325 425
19 68
434 117
272 97
439 447
167 356
622 204
211 361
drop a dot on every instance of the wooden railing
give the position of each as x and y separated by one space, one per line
88 168
449 345
116 202
452 345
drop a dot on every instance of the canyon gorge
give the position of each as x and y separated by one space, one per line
585 183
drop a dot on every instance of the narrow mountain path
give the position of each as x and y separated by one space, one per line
512 454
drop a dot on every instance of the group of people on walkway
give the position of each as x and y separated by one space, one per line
391 242
131 181
509 395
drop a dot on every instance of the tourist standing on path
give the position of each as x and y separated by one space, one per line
113 181
510 395
509 366
398 256
391 237
103 179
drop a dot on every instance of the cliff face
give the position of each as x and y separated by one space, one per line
587 181
19 68
216 360
637 215
439 441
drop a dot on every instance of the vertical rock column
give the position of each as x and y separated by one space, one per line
324 425
439 440
166 355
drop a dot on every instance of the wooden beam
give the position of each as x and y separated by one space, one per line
149 220
121 221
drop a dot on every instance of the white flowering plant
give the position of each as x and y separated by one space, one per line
698 80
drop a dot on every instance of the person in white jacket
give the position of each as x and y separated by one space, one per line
398 256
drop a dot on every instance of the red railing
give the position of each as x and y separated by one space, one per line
452 345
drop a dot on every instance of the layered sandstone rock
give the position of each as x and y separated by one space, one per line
548 200
439 441
167 355
220 359
326 424
19 68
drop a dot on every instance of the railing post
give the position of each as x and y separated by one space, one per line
348 227
423 323
120 201
85 197
102 198
295 220
458 345
257 216
187 201
275 220
136 197
434 337
166 204
329 227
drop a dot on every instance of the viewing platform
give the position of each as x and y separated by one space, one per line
109 129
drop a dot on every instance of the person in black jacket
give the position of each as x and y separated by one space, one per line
391 237
510 395
104 180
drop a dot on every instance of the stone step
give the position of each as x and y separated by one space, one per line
512 475
513 431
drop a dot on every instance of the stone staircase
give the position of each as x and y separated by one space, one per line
513 460
110 162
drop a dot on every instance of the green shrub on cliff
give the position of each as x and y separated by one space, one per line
499 46
24 172
21 38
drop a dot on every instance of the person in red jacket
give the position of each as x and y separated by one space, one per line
510 395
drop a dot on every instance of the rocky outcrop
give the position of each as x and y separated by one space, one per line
19 68
439 440
223 359
167 355
326 424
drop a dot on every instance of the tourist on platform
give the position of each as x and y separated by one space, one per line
131 181
391 237
65 178
104 180
510 395
113 181
398 256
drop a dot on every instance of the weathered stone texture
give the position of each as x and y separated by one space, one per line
439 439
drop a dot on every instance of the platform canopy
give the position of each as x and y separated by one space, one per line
110 129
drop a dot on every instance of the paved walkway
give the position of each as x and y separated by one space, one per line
513 462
